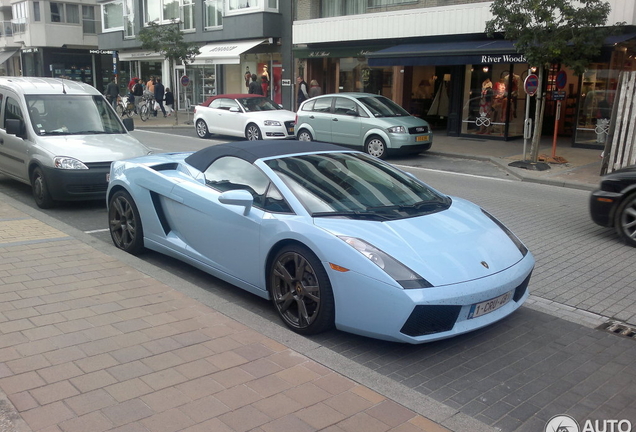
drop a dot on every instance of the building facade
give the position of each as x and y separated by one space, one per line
236 38
433 58
46 38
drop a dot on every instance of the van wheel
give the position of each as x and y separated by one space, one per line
41 190
305 135
375 146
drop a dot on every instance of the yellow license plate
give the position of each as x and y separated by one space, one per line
421 138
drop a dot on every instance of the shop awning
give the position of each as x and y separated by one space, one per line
6 55
447 53
336 52
228 52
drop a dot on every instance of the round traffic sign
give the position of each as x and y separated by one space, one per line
531 84
185 80
561 79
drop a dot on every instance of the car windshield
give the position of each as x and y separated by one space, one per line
67 114
355 185
383 107
258 104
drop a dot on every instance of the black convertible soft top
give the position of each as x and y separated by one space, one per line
253 150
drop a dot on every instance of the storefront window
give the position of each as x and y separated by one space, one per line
357 76
494 101
202 83
598 87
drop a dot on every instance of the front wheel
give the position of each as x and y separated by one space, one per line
301 291
144 113
625 222
40 189
252 132
202 129
124 223
120 110
376 146
305 135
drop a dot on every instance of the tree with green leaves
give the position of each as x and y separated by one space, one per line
566 32
167 39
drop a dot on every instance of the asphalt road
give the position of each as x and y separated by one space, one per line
514 375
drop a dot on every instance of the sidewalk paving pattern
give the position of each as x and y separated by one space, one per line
89 343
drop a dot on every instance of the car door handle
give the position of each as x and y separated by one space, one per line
334 119
1 140
311 117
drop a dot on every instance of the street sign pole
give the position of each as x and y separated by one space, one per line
530 85
561 80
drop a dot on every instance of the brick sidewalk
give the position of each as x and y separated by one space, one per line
89 344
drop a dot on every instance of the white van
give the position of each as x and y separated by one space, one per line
60 136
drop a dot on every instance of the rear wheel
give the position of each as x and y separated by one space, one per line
376 146
301 291
202 129
124 223
40 189
252 132
625 222
305 135
119 109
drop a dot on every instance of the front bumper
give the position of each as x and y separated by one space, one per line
78 185
407 143
372 308
286 131
603 206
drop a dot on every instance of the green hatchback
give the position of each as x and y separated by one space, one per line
373 122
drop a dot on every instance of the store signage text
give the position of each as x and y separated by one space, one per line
506 58
360 53
30 50
99 51
223 48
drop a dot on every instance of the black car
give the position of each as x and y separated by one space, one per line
614 204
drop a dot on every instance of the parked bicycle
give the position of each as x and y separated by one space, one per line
125 107
146 107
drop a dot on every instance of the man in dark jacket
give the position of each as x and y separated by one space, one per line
112 92
303 95
255 87
159 93
138 92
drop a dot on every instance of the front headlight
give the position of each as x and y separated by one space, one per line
398 271
397 129
514 238
272 123
63 162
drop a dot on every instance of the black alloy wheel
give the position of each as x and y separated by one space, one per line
301 291
124 223
625 222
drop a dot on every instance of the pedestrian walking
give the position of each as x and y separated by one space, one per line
314 89
303 95
169 100
255 87
159 94
112 92
138 93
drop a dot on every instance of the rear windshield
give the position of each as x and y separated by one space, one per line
383 107
63 114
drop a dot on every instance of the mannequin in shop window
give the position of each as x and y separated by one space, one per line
247 76
500 103
485 107
265 80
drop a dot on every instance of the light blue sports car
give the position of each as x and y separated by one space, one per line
333 237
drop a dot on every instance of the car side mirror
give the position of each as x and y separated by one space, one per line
235 109
129 124
238 197
16 127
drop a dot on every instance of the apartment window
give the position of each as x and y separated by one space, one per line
213 13
170 10
129 19
187 15
335 8
72 13
153 10
57 12
380 3
113 16
36 11
20 18
89 24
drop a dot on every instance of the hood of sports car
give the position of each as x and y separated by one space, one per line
451 246
280 115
